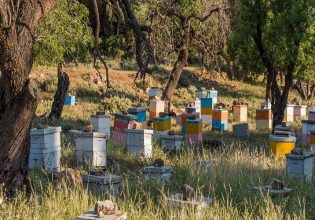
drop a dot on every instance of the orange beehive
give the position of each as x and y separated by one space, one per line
240 113
153 115
263 114
220 115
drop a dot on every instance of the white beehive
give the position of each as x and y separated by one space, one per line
154 92
300 166
157 173
91 215
45 149
101 123
171 142
289 113
139 141
105 184
90 149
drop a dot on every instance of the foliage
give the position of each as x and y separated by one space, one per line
64 35
115 104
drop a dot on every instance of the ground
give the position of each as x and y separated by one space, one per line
236 167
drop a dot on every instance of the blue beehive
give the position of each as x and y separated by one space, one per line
70 100
206 102
219 125
140 113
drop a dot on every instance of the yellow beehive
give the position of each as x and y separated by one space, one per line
281 143
206 111
162 124
193 126
240 113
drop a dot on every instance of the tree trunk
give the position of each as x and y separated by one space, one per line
268 88
230 70
178 66
61 93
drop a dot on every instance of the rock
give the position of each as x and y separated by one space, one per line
158 163
276 184
188 193
103 208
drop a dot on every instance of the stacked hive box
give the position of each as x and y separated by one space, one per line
70 100
214 95
162 126
141 114
220 119
184 117
139 141
153 92
171 142
240 113
241 130
155 108
193 130
45 149
90 149
263 119
307 125
312 139
206 110
101 123
121 123
197 105
289 113
201 93
300 111
311 115
300 166
282 143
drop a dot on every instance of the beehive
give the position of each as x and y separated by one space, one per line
121 123
289 113
162 124
214 95
153 92
140 113
300 166
201 93
281 143
90 149
157 173
220 119
197 105
312 139
193 130
265 105
70 100
101 123
171 142
311 115
100 185
91 215
300 111
45 150
263 119
139 141
240 113
307 125
206 110
184 118
155 108
241 130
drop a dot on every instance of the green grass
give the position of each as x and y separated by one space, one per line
239 165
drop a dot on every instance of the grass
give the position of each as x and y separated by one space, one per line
237 166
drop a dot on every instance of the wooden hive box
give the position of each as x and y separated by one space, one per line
45 150
139 141
307 125
193 126
240 113
140 113
157 106
300 111
100 185
90 149
70 100
289 113
162 124
157 173
153 92
241 130
263 119
300 166
220 119
171 142
101 123
201 93
91 215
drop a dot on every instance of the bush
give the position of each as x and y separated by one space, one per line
115 104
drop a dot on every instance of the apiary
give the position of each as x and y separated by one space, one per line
220 119
101 123
139 141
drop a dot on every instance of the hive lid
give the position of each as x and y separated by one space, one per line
313 130
137 110
193 121
50 130
278 138
105 179
300 157
100 116
308 122
91 215
139 131
291 105
90 134
153 169
125 117
171 137
162 119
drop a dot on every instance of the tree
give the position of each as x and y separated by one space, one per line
178 26
276 30
18 93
